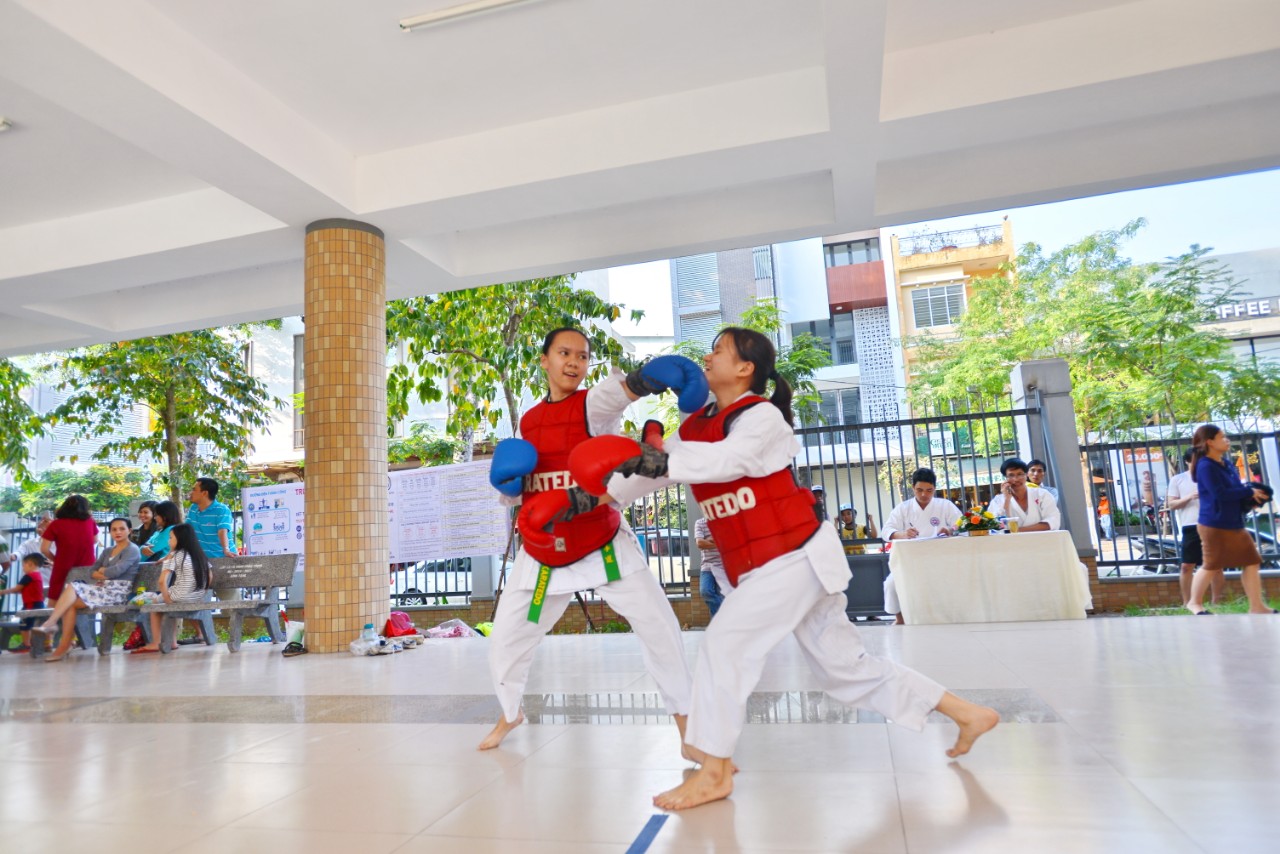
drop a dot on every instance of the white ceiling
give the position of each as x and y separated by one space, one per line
166 156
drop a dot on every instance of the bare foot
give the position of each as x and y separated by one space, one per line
973 720
711 782
693 754
898 621
45 628
499 731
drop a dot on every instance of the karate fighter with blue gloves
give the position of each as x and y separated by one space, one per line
571 541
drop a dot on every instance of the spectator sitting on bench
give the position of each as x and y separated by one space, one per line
112 573
31 586
166 514
189 568
147 525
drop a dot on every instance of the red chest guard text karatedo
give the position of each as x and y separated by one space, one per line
555 429
752 519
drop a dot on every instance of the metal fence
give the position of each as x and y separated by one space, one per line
869 465
1132 469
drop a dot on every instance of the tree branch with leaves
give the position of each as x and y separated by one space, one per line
196 385
471 348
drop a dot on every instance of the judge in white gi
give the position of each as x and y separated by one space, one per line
1027 508
787 566
926 515
595 549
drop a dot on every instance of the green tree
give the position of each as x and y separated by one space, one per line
423 442
109 489
797 362
19 424
471 348
1133 336
195 384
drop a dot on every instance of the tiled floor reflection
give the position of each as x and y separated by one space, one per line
1154 734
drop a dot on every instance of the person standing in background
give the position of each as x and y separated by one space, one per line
1183 497
28 547
1036 471
1224 500
713 582
211 521
1104 516
75 535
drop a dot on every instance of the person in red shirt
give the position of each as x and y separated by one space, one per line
75 534
31 586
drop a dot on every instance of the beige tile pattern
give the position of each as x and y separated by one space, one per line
1162 738
344 361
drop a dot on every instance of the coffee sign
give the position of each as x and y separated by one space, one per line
1246 309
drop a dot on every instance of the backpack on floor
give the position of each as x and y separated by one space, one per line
399 625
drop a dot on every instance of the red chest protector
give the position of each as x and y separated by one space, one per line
752 519
555 429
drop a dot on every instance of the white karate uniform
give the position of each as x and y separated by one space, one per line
1041 507
928 520
636 595
799 593
939 513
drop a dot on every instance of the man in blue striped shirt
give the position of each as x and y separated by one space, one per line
212 522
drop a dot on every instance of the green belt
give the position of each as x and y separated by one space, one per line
611 573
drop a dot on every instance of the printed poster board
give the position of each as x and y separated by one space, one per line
273 519
433 514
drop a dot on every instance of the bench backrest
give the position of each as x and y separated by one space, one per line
148 577
253 570
76 573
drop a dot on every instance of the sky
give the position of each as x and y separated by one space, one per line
1233 214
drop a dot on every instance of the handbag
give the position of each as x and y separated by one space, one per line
136 639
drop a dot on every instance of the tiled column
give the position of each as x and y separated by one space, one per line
344 359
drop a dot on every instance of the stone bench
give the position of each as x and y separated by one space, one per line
148 579
84 620
265 575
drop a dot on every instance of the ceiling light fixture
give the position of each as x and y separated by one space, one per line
5 124
462 10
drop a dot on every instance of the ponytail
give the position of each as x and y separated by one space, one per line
781 397
757 349
1200 445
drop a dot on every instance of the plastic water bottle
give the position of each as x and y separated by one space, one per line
369 634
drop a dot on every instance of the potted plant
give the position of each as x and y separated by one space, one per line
977 523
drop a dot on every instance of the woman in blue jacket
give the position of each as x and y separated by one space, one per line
1224 501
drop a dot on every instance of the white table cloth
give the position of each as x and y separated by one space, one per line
992 579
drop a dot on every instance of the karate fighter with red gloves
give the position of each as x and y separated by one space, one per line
788 568
570 540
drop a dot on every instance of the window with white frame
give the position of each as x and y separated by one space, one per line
938 306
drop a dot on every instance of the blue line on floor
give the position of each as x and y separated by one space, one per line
645 839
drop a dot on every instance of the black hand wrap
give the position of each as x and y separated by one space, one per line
580 501
649 463
642 385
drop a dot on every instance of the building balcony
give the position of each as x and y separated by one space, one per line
991 244
854 286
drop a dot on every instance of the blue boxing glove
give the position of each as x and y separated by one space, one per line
512 460
678 373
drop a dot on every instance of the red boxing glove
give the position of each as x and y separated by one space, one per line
539 513
594 460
